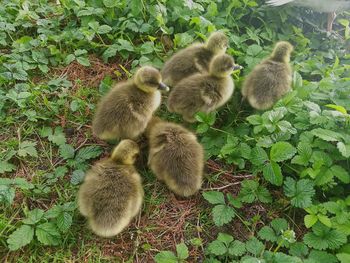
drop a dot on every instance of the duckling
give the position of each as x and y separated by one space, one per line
204 92
271 79
175 156
193 59
112 194
125 111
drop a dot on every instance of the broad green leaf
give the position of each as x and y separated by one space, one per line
77 177
337 108
7 194
298 249
87 153
104 29
66 151
214 197
225 238
237 248
254 246
202 128
34 216
327 135
279 225
125 45
165 257
5 166
272 173
254 119
64 221
322 257
20 237
340 173
258 156
48 234
182 251
217 248
300 192
223 214
234 201
58 137
324 220
83 61
27 148
310 220
267 233
344 149
111 3
343 257
282 151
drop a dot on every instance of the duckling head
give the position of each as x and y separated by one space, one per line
148 79
282 51
217 43
125 152
222 66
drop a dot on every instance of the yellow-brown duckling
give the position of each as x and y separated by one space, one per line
193 59
204 92
112 194
125 110
175 156
271 79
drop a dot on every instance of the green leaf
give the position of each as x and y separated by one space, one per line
27 148
237 248
21 237
324 237
279 225
7 194
110 3
267 233
58 137
214 197
182 251
125 45
310 220
235 202
48 234
87 153
217 248
343 257
337 108
272 173
66 151
298 249
255 119
300 192
83 61
136 8
165 257
258 156
64 221
282 151
104 29
69 59
202 128
344 149
327 135
305 153
263 195
324 220
5 166
77 177
225 238
322 257
340 173
34 216
254 246
223 214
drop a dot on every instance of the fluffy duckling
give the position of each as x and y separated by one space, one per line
175 156
112 194
271 79
125 111
193 59
204 92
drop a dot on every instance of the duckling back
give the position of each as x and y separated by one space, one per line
124 112
176 158
267 83
186 62
110 196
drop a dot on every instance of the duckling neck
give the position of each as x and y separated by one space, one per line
278 57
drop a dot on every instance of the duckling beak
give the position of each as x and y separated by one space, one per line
163 87
237 67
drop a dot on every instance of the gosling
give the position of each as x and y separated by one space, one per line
125 111
193 59
112 194
270 80
204 92
175 157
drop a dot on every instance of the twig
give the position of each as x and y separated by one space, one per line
222 187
